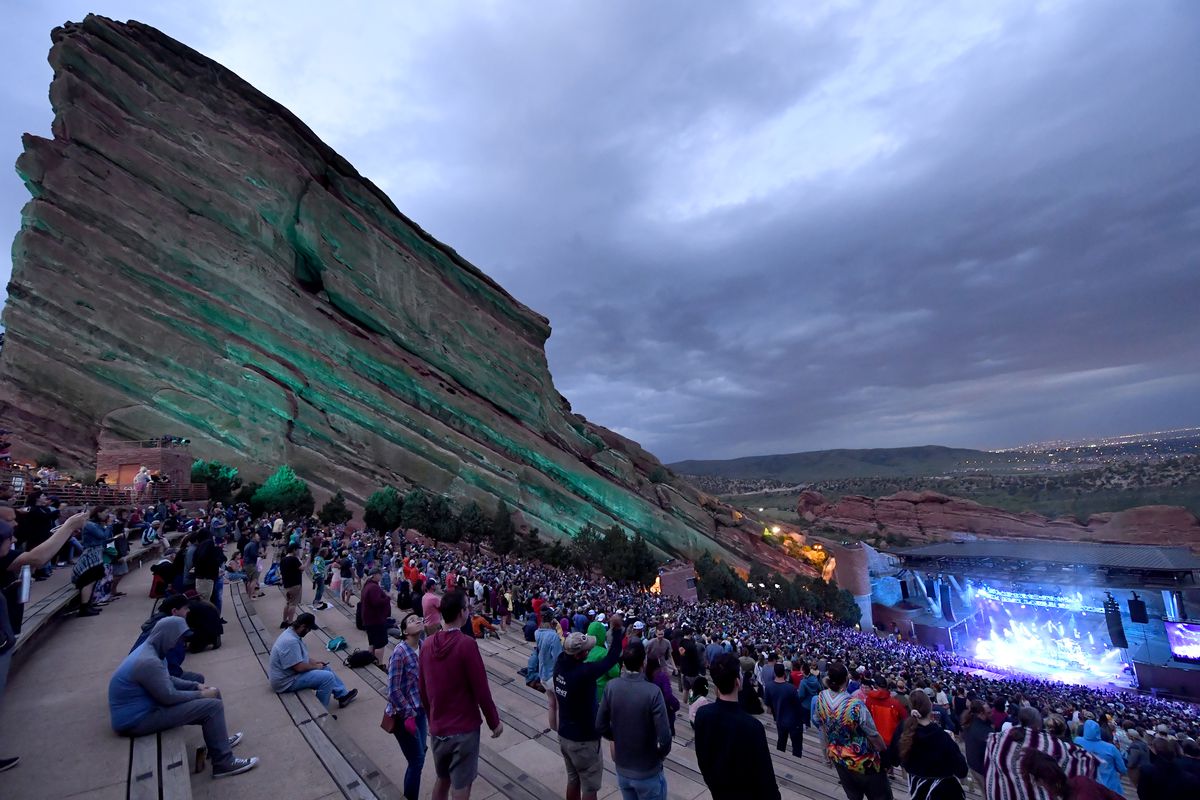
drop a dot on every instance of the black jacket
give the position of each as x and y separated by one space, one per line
208 560
934 753
731 748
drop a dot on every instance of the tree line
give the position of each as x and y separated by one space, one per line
716 580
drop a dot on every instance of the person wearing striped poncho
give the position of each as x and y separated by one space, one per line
1006 780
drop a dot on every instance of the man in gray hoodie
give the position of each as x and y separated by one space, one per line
633 715
143 698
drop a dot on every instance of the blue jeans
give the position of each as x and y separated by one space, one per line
218 592
320 583
413 748
323 680
643 788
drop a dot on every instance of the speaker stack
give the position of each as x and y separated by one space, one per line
1137 610
1116 631
947 607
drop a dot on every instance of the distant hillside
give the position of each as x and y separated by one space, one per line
824 465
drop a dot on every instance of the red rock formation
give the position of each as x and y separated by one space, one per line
929 516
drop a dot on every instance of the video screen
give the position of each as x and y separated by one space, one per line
1184 638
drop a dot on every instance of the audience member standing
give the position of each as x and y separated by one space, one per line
1112 763
573 709
852 744
454 689
291 576
1004 776
375 609
929 755
780 696
731 745
633 715
404 702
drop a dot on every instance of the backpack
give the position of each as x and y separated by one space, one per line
272 577
337 643
360 658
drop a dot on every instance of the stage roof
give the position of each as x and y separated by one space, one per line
1115 556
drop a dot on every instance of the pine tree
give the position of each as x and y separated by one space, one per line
502 530
284 492
334 512
473 524
443 525
415 512
384 509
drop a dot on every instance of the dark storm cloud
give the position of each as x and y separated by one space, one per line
765 228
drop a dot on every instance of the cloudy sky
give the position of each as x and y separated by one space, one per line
767 227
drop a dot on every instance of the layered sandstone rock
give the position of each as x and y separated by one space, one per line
194 261
930 516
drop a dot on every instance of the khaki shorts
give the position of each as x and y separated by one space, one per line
585 764
292 595
456 758
251 571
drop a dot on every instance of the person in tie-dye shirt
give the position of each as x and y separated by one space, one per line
851 742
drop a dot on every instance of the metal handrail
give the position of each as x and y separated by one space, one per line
146 443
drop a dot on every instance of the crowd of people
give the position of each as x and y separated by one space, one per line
616 662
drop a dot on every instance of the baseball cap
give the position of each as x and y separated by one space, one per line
306 619
600 618
578 643
639 626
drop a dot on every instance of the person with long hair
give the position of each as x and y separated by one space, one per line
1045 771
658 676
90 567
976 726
928 754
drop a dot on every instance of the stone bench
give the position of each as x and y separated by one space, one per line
160 767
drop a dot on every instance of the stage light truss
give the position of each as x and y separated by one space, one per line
1069 602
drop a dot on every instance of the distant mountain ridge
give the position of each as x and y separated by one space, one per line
818 465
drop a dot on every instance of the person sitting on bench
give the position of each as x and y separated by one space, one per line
144 699
291 670
174 606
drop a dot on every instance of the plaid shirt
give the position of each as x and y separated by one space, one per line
404 698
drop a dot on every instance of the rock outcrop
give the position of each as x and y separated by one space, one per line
930 516
194 261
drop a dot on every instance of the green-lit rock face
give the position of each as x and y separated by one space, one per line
194 261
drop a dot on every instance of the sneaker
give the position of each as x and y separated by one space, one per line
8 763
347 698
89 611
236 767
235 740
